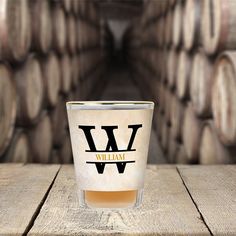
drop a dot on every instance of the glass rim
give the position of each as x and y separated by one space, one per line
109 105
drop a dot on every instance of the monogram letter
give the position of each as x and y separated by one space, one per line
87 132
111 138
135 129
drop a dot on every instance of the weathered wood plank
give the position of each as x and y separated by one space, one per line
167 209
161 166
22 188
10 165
213 189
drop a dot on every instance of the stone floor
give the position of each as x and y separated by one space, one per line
120 86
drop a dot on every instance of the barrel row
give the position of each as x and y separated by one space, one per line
188 68
43 25
191 23
36 84
76 7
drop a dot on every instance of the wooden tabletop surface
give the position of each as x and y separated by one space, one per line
178 200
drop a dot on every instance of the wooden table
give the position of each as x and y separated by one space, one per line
180 200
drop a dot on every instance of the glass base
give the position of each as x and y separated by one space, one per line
106 199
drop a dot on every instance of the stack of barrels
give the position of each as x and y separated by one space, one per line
49 52
184 54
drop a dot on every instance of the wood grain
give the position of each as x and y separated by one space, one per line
192 133
58 122
218 25
18 150
15 30
71 33
58 29
51 78
213 188
201 79
177 110
168 27
22 188
192 23
183 75
171 67
30 91
211 150
40 139
66 74
166 208
177 24
41 25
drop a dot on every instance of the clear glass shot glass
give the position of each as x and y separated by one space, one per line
110 141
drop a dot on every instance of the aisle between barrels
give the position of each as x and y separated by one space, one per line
120 86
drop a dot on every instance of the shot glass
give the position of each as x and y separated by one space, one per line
110 142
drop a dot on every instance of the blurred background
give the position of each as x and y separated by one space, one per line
179 54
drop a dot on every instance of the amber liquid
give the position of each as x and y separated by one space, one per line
119 199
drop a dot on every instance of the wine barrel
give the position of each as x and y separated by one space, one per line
41 25
181 156
59 29
212 151
176 118
172 65
224 97
66 74
192 130
29 84
201 84
192 24
168 28
177 25
7 107
183 75
218 25
71 34
40 139
58 120
67 5
52 78
15 29
19 150
75 70
65 152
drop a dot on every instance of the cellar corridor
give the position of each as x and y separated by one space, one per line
121 86
155 50
117 117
